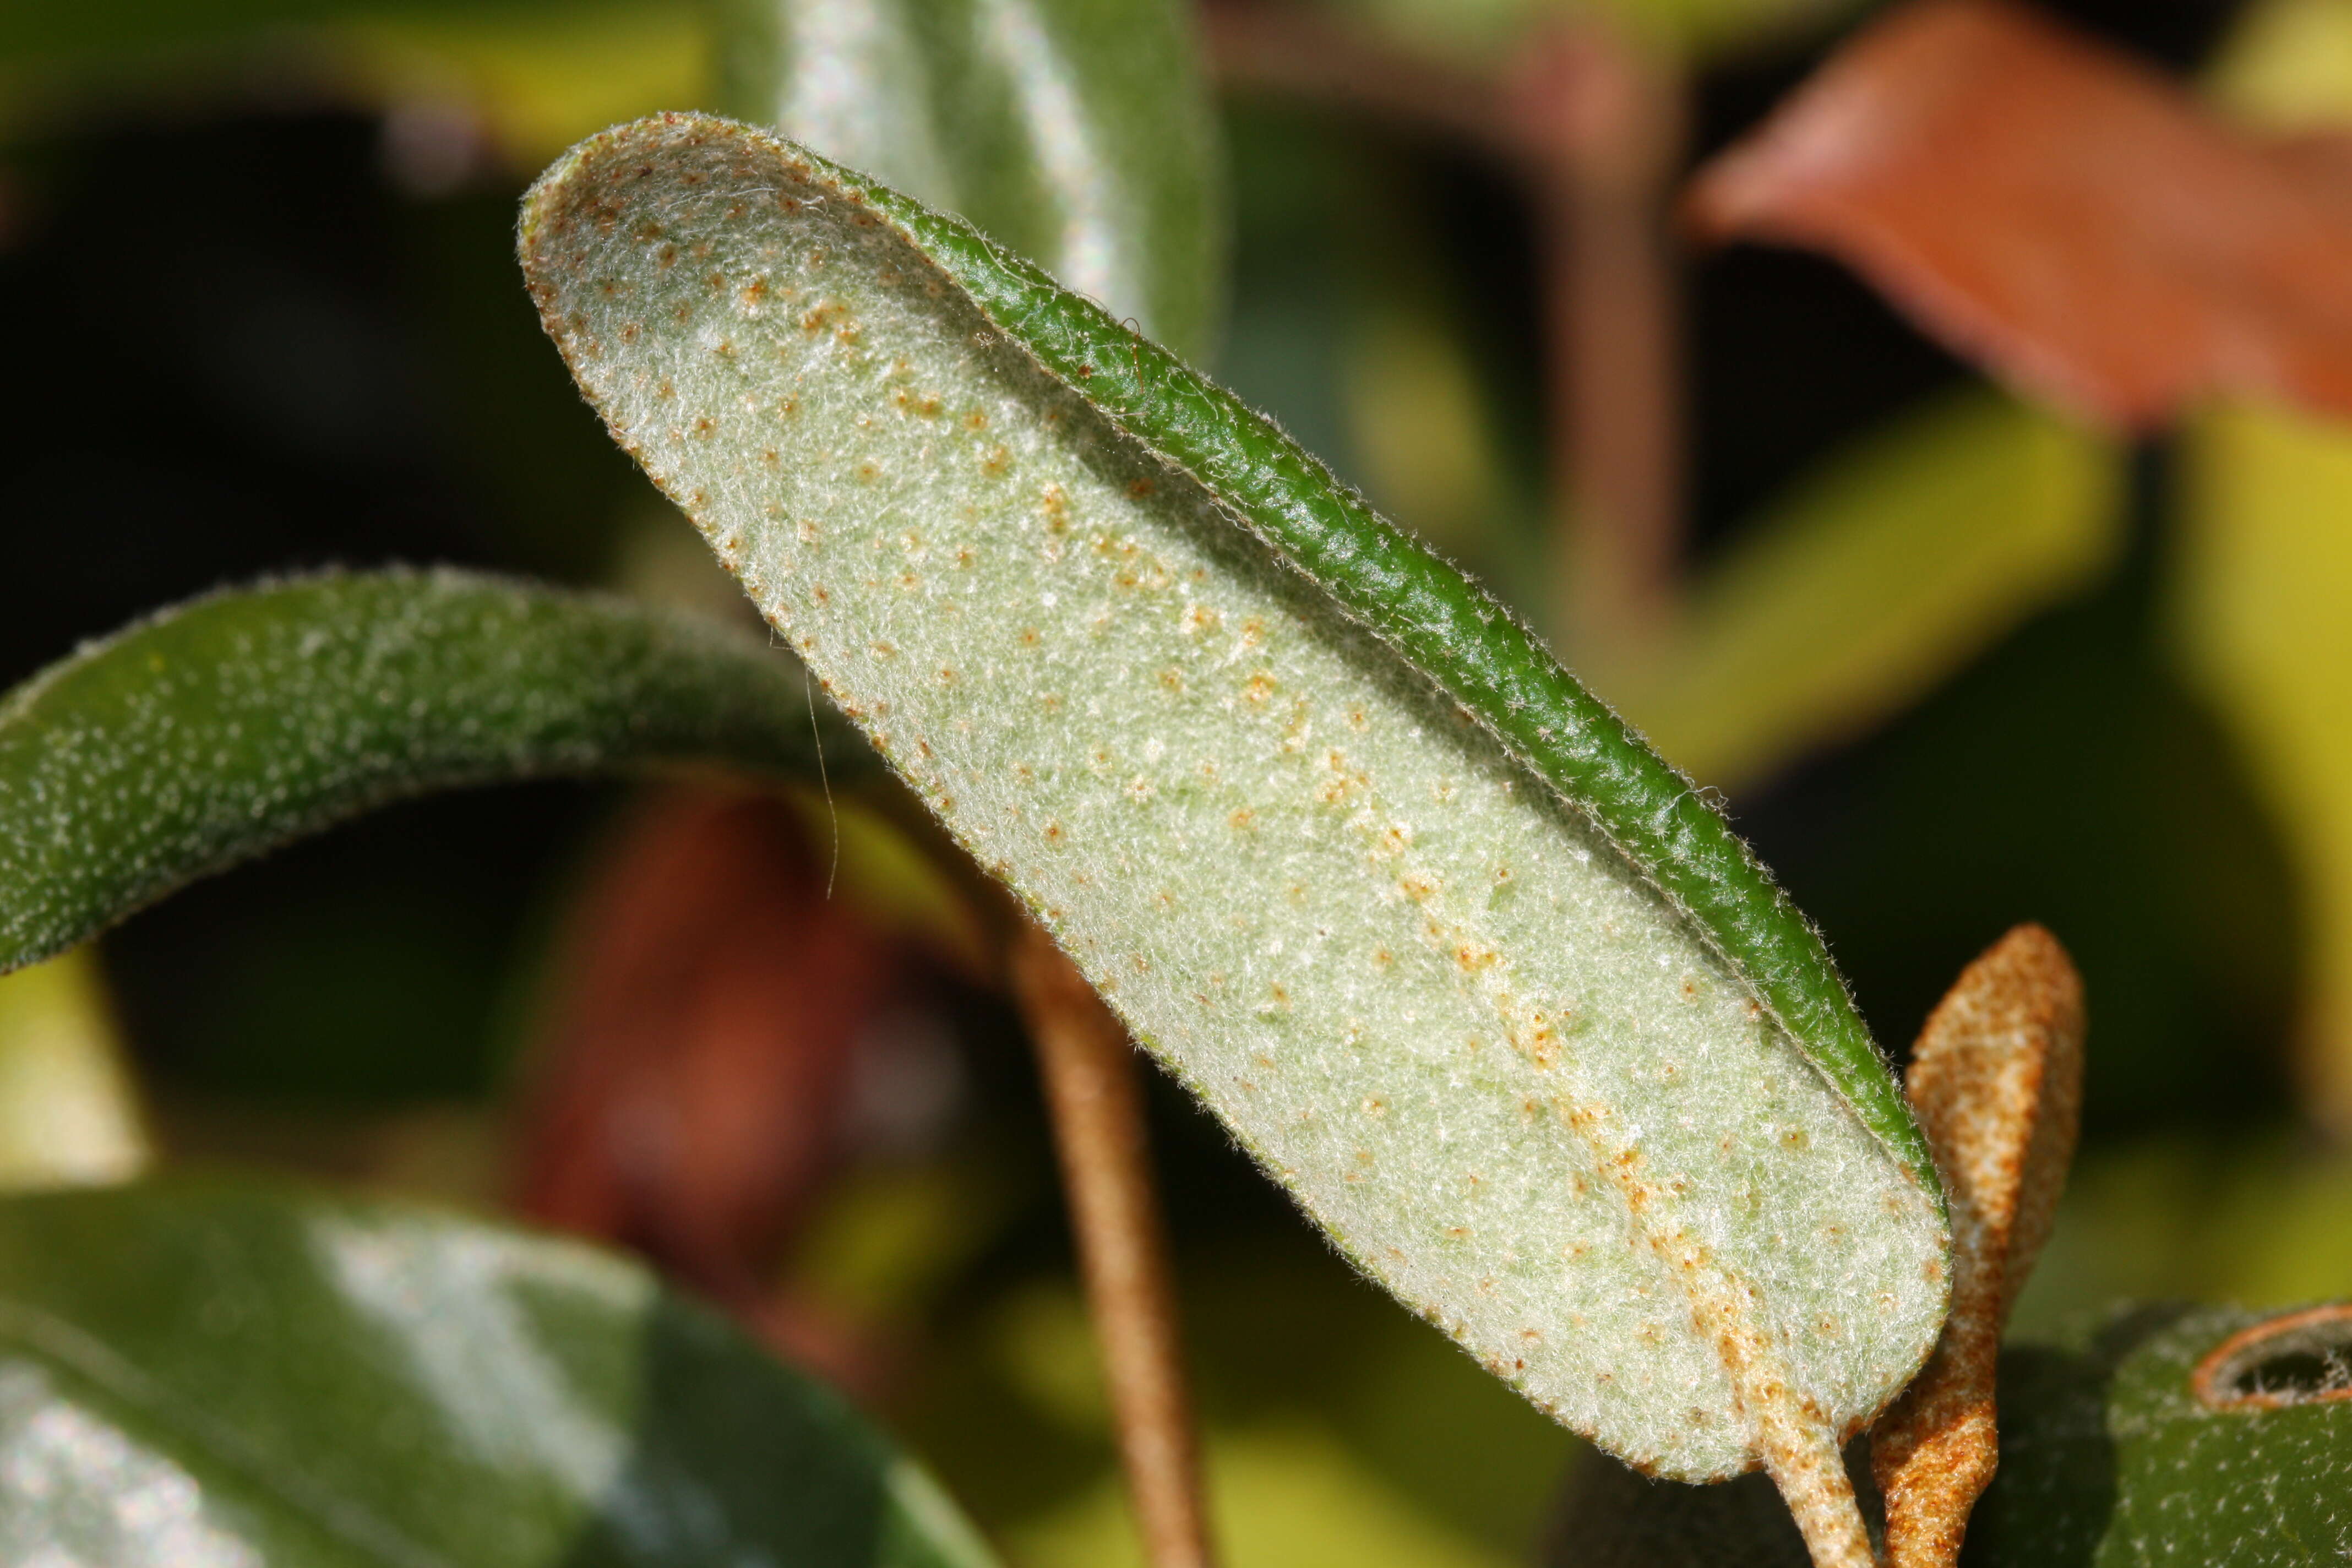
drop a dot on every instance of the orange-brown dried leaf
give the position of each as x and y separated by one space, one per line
2056 211
1997 1083
693 1069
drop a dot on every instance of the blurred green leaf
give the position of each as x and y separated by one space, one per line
2286 64
2264 1222
2263 577
529 77
2109 1458
1078 132
1693 28
224 1373
130 28
1287 1496
233 724
69 1111
1882 573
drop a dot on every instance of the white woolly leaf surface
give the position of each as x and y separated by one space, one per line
1483 1052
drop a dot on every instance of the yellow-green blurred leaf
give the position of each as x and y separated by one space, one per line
529 80
2265 606
68 1110
1283 1497
2264 1222
538 83
1489 27
2287 63
1419 419
1873 581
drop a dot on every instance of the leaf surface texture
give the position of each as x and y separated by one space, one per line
1514 1077
229 1374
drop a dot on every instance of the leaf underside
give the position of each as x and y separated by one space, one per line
233 723
1518 1082
226 1373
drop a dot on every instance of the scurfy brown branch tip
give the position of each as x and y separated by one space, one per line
1997 1083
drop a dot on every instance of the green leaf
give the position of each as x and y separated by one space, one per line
2110 1457
1697 29
1078 132
1876 580
534 75
1508 1006
69 1109
233 723
227 1374
2258 600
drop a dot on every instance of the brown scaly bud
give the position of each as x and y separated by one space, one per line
1997 1083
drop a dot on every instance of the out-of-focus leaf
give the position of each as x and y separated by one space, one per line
2110 1457
1078 132
1288 1496
2286 64
536 80
1417 418
70 1112
1873 581
1142 716
1490 28
526 76
2263 585
2055 210
132 28
233 724
229 1374
711 1009
2264 1222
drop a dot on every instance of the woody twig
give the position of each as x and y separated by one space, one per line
1095 1096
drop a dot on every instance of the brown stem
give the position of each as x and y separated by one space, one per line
1602 126
1306 51
1095 1099
1596 127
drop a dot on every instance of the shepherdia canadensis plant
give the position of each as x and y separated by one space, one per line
1490 988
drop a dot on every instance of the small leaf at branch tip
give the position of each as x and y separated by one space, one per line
1508 1007
1997 1081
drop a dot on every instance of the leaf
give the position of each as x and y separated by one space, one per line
528 77
227 1373
2054 210
69 1111
1157 670
1492 29
233 724
2262 579
2110 1457
1873 581
1078 132
697 1067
